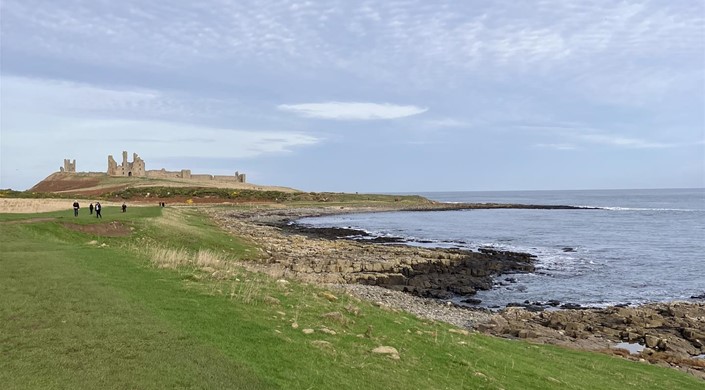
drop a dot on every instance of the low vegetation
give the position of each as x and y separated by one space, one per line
253 195
184 194
173 305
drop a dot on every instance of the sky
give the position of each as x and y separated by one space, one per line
360 96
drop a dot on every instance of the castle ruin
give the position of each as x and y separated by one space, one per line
69 166
136 168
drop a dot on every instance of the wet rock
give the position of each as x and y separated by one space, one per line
527 306
678 337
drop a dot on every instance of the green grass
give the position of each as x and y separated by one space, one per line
77 314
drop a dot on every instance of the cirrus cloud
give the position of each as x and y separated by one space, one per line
352 110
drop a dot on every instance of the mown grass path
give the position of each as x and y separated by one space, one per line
75 314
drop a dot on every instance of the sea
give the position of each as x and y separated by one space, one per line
630 247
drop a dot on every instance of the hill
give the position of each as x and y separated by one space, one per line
92 186
95 184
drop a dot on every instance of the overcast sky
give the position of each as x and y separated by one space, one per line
369 96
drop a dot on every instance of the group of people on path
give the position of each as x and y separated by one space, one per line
97 208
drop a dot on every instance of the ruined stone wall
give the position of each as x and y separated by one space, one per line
112 166
202 177
238 178
225 178
136 168
163 174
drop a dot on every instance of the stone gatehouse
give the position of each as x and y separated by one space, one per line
134 168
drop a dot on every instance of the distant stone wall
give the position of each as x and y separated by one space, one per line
164 174
186 174
238 178
202 177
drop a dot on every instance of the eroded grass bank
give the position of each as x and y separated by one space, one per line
171 305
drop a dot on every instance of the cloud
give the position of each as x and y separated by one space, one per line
603 50
624 142
352 110
62 108
63 97
177 139
577 134
448 122
557 146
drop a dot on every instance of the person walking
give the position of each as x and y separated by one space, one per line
98 208
90 208
124 207
76 206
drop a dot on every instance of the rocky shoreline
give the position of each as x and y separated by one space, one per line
420 280
323 256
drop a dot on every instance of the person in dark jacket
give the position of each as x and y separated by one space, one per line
90 208
124 207
76 206
98 208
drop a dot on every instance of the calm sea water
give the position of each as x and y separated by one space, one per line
643 245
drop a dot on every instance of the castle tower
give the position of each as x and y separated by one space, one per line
69 166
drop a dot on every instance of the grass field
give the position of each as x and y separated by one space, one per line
168 306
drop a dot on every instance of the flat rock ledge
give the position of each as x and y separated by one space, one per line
429 273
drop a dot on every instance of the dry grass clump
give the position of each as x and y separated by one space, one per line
215 264
247 291
169 258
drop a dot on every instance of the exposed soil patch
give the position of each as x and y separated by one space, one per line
110 229
65 185
97 191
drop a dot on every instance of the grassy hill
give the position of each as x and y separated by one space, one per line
92 186
159 298
99 183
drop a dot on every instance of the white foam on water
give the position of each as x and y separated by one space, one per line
617 208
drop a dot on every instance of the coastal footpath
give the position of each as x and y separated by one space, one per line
421 281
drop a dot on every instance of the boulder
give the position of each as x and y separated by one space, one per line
387 350
651 341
